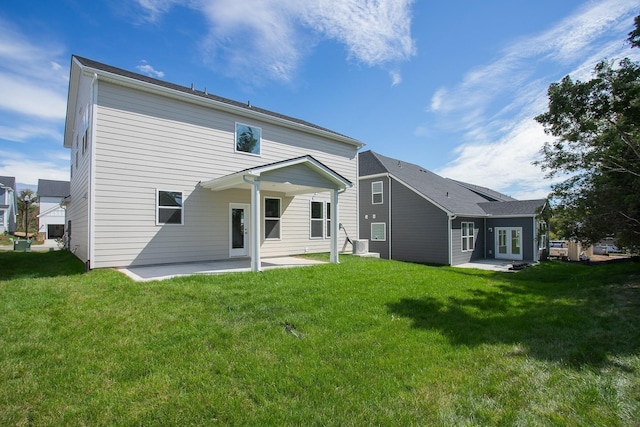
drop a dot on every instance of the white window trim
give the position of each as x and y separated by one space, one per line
264 214
471 237
235 140
327 220
384 227
381 192
158 190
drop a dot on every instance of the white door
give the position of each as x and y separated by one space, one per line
239 237
509 243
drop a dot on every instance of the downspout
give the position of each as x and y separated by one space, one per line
450 217
335 225
390 222
256 264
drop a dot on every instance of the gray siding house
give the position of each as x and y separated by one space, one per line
8 204
411 214
162 173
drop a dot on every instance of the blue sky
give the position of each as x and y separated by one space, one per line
451 86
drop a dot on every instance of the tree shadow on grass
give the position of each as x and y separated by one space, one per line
540 317
24 265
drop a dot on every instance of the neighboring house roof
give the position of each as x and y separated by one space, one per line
49 188
104 69
446 194
487 193
452 196
514 208
8 181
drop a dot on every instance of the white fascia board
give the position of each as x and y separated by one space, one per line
150 87
374 176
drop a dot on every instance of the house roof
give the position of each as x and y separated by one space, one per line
8 181
50 188
452 196
487 193
513 207
237 179
443 192
104 69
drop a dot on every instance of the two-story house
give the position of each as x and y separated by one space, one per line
8 204
163 173
51 218
411 214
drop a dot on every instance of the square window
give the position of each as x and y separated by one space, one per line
378 231
248 139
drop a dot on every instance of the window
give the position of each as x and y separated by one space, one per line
317 220
378 231
248 139
328 219
271 218
85 129
376 193
170 210
467 236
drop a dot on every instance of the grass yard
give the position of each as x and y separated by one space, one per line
366 342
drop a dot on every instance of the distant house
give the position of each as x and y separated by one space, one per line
162 173
409 213
8 204
51 219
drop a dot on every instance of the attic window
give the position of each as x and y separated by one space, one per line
248 139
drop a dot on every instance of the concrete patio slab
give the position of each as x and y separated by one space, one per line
495 265
167 271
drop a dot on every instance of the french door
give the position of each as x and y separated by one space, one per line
509 243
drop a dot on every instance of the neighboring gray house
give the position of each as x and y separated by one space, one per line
162 173
8 204
51 218
411 214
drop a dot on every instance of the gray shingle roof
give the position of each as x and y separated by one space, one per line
140 77
513 208
450 195
8 181
487 193
50 188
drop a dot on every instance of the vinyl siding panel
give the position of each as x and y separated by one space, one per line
78 211
370 213
146 143
419 228
457 255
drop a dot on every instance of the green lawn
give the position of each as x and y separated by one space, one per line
366 342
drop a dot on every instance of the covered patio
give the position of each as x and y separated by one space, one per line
292 177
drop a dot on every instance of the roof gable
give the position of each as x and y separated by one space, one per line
8 181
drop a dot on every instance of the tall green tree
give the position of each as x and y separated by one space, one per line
28 211
597 148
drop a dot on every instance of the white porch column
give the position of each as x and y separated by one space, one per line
256 264
335 224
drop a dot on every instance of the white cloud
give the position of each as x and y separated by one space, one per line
28 170
22 132
499 144
396 78
279 33
148 69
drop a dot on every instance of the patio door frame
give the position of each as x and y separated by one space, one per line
509 243
245 250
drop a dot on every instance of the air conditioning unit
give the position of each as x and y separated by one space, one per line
360 247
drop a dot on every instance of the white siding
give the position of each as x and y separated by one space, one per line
78 210
146 143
